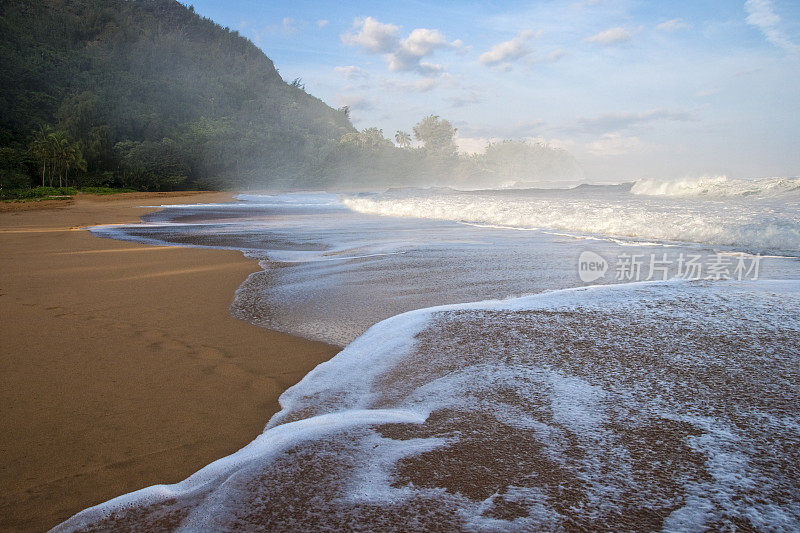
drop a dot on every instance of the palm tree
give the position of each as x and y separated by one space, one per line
40 147
73 157
402 138
58 154
59 149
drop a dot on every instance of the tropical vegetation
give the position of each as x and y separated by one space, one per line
148 95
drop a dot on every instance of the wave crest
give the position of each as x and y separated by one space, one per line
717 186
743 221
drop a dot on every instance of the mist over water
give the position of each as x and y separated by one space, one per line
653 405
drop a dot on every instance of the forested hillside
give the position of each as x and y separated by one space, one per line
149 95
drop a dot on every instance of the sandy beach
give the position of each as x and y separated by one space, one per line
120 366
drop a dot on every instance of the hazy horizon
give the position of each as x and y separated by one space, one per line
632 90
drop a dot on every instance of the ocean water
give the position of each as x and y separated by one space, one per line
484 385
757 217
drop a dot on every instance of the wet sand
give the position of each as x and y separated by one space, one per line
120 366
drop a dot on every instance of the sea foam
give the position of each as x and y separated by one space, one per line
720 187
642 406
759 217
666 405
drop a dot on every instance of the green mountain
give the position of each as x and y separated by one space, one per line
150 95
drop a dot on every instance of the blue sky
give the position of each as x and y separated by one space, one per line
631 88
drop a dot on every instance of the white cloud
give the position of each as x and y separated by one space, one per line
673 25
503 53
760 13
614 144
373 36
401 55
420 43
351 72
611 36
429 69
614 122
322 23
762 16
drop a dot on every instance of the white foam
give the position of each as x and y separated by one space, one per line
718 186
329 397
766 223
387 376
266 445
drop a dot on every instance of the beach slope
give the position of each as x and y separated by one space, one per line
120 366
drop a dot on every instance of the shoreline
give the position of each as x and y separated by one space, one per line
121 365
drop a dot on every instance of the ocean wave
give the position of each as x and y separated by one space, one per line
717 186
744 223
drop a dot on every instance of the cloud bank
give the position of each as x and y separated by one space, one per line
402 55
508 51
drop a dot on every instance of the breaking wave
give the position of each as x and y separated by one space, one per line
745 220
718 186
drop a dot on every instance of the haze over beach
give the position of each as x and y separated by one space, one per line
631 89
274 266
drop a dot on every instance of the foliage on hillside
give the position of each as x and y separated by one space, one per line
152 96
146 94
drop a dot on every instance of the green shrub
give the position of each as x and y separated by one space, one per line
41 192
104 190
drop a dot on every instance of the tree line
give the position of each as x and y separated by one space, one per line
367 158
